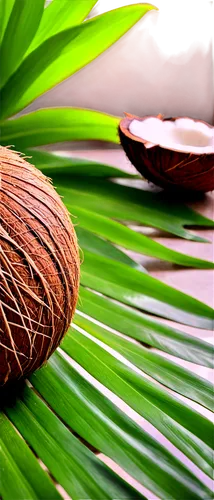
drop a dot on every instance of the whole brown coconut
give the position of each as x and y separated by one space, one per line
175 153
39 268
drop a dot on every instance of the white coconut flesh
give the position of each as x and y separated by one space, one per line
183 134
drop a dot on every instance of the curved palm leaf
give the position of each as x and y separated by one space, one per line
58 125
59 16
63 54
139 326
6 7
95 418
81 404
158 407
25 17
163 370
130 204
75 467
59 166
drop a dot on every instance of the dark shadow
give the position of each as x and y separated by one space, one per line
182 196
10 393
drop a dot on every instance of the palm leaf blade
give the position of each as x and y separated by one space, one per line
58 124
97 246
59 16
131 204
21 28
141 327
6 7
143 291
95 417
186 429
63 54
21 475
75 467
129 239
164 371
56 166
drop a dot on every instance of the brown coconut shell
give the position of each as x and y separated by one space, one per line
39 268
167 168
137 75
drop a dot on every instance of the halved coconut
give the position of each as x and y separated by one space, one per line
174 153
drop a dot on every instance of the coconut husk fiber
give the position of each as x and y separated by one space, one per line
39 267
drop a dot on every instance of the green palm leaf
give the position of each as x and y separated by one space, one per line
63 124
6 7
75 467
143 328
54 165
63 54
143 291
130 204
131 240
21 475
164 371
98 246
25 18
178 422
59 16
102 424
85 400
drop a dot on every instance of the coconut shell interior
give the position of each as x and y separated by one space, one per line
167 168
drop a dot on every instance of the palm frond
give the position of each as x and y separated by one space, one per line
110 393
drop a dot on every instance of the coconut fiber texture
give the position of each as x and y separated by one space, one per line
39 268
